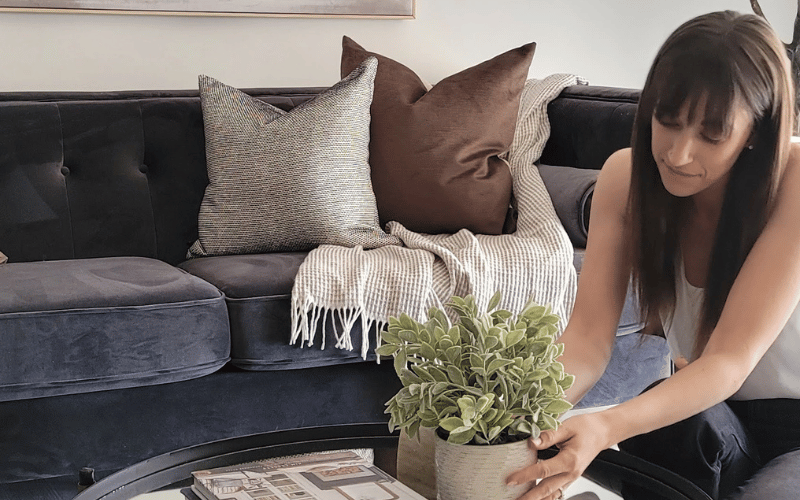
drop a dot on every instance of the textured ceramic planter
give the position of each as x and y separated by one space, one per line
475 472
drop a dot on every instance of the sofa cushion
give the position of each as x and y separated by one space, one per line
93 324
434 154
258 290
288 181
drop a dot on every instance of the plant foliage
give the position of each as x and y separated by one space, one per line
490 378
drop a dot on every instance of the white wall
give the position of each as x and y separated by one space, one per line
610 42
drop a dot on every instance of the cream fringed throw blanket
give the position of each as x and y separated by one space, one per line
370 286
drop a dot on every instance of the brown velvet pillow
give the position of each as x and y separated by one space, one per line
434 154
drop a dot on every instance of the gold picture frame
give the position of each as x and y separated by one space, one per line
376 9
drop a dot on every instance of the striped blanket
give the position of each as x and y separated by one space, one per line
351 285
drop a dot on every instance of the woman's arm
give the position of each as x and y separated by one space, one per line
589 336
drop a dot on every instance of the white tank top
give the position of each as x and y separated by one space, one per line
777 375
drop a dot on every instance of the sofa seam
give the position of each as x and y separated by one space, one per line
105 310
283 296
66 180
219 362
147 178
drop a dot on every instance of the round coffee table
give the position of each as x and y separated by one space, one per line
170 473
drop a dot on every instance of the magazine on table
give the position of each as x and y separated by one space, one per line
341 475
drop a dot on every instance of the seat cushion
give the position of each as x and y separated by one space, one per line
258 290
86 325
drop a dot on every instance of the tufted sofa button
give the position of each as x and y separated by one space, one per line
143 169
65 171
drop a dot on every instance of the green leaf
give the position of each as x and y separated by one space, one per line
400 361
438 333
470 325
514 336
386 350
548 422
455 334
408 336
497 364
558 406
494 301
549 384
451 423
408 377
427 351
476 361
461 437
522 426
484 403
440 317
406 322
538 374
389 337
413 428
454 354
437 374
550 319
422 372
455 375
567 381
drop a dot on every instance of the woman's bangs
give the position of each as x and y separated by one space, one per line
693 83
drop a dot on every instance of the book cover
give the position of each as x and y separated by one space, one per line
341 475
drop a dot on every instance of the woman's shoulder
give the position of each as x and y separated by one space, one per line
788 194
790 180
616 172
613 183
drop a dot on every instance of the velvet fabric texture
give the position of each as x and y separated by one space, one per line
571 190
51 437
587 124
105 174
434 154
95 324
258 291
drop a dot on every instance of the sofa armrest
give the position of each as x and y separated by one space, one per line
571 190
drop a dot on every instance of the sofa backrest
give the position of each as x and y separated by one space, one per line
105 174
85 174
587 124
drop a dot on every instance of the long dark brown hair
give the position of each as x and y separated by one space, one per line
726 58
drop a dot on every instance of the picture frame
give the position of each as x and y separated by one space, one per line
377 9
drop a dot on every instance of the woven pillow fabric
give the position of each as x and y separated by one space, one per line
435 153
288 181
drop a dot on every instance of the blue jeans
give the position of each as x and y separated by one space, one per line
736 450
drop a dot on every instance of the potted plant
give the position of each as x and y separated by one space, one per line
489 379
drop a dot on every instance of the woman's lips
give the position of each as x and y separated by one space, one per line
677 172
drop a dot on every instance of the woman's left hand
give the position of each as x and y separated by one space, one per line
579 440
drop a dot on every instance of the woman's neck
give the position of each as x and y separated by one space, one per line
706 206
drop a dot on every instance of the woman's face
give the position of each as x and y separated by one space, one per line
693 157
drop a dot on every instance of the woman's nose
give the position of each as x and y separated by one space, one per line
680 151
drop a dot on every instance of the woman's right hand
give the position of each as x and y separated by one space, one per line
579 439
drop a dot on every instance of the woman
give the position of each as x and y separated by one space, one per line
703 213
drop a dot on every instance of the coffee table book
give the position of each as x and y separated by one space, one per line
339 475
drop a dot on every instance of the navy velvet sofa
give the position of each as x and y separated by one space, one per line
114 348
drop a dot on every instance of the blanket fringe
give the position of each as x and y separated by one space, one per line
308 318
